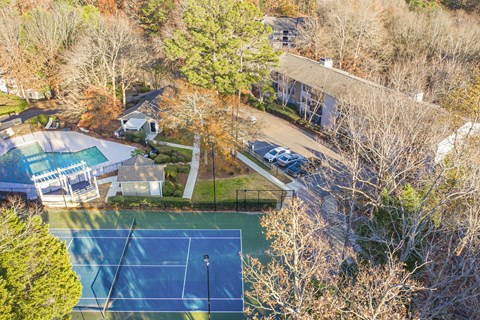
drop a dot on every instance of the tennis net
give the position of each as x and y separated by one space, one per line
117 271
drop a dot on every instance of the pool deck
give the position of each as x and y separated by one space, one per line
67 141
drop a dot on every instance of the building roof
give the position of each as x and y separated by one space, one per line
149 105
138 161
334 82
8 124
142 173
283 23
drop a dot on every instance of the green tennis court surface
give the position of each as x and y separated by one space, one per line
161 270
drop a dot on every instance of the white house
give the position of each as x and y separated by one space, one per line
140 176
144 116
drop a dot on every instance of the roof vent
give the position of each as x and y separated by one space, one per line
418 96
326 62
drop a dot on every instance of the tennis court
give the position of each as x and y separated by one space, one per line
156 270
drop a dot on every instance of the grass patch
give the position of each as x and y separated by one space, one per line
183 151
277 173
41 119
226 188
179 137
253 241
10 103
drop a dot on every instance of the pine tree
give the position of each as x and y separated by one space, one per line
224 47
36 276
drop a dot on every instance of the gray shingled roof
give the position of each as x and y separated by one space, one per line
149 106
138 161
283 23
331 81
140 173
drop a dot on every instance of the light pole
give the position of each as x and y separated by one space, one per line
213 172
207 263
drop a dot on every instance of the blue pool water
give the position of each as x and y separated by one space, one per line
19 164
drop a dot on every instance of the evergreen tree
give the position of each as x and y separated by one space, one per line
224 47
155 14
36 276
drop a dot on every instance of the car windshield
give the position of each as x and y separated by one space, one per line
273 152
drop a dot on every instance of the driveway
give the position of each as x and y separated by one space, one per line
275 131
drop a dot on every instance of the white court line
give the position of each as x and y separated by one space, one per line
70 243
167 299
130 265
215 230
186 267
166 238
241 266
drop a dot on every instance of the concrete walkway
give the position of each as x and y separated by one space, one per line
112 191
194 165
171 144
262 172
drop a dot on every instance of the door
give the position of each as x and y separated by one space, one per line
153 127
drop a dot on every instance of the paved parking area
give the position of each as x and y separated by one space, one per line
278 132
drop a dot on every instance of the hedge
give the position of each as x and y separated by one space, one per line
154 202
182 203
138 136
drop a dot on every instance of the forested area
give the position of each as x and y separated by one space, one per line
414 221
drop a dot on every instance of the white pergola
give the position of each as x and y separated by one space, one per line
62 177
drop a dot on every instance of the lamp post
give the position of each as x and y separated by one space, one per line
213 172
207 264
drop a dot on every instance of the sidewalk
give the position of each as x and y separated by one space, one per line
112 191
194 165
262 172
171 144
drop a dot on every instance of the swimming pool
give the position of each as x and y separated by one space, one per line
19 164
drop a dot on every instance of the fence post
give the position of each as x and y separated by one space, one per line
236 202
245 200
258 200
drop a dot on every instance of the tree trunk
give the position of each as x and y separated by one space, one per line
124 97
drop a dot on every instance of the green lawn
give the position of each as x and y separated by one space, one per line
181 137
11 104
253 241
184 151
226 188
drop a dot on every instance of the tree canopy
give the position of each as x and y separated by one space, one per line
36 276
224 47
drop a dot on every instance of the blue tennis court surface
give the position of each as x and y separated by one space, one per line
162 270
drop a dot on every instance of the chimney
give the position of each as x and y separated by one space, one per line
418 96
326 62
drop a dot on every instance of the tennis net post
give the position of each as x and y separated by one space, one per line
117 271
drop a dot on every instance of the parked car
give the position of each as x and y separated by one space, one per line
303 166
273 154
287 159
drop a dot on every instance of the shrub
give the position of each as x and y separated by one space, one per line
41 119
171 175
162 158
183 168
181 158
174 159
179 187
178 193
152 144
138 136
166 150
168 189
